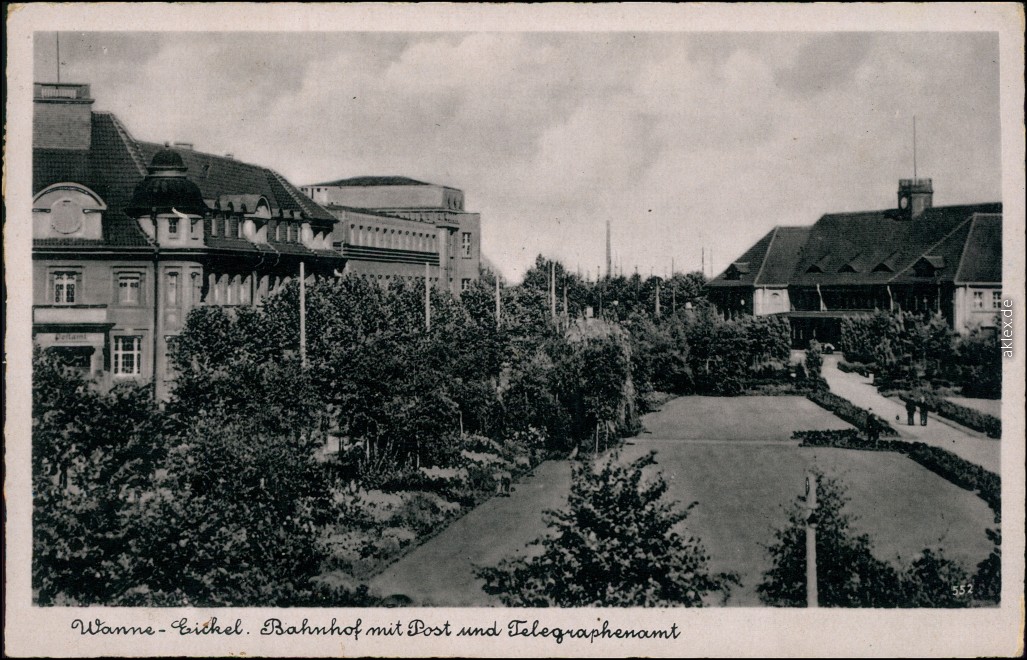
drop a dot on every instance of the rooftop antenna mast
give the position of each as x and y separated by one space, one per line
914 146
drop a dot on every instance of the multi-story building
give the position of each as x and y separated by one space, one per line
917 257
128 236
390 227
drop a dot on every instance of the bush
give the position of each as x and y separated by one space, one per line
968 417
617 544
847 411
855 367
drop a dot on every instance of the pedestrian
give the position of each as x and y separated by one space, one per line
868 426
923 412
910 412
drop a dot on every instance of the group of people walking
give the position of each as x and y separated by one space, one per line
911 408
873 426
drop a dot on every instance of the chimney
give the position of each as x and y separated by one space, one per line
915 197
62 117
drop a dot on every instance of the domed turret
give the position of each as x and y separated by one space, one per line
165 188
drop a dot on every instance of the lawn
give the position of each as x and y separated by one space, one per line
733 456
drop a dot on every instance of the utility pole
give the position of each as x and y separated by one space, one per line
498 309
552 289
58 57
608 254
812 599
657 300
427 298
303 315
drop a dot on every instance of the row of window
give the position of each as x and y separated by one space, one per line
978 300
402 240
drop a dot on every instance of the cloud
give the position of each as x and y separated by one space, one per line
682 141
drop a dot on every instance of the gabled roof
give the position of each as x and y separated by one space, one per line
769 262
754 255
368 181
882 238
982 257
781 256
959 243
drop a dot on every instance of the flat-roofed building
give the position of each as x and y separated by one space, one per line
392 227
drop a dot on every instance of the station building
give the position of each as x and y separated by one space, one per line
915 257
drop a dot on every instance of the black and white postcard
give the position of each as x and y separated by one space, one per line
514 330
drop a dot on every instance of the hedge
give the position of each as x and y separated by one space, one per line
847 411
969 476
968 417
855 367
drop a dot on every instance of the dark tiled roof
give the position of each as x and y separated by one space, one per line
754 257
876 239
982 259
782 254
963 243
217 175
373 181
50 166
115 164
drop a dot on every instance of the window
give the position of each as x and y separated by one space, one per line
128 289
465 244
978 300
128 354
244 291
197 287
214 226
172 289
230 292
465 284
238 229
173 226
64 287
996 299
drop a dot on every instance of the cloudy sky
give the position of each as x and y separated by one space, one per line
683 141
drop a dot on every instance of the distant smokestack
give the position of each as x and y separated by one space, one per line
609 260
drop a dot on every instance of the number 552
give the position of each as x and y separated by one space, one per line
962 589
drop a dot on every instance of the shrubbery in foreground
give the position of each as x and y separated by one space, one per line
618 543
849 575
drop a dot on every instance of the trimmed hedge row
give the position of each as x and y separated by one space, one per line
969 476
854 367
848 411
968 417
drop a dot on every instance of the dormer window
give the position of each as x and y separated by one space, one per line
887 265
736 270
173 227
928 266
818 266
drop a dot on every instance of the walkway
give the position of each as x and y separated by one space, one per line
857 389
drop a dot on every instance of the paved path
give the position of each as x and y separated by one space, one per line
441 572
857 389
